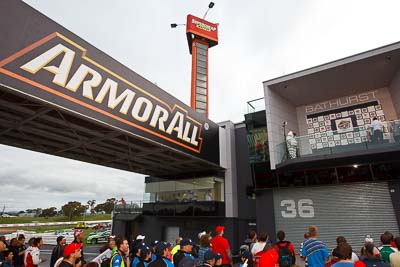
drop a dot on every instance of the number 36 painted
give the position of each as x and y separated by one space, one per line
304 208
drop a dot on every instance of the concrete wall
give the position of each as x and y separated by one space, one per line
394 90
228 161
278 110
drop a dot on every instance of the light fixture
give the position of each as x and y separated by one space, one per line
355 166
210 5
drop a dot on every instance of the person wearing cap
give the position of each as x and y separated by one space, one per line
136 253
162 253
220 245
153 250
185 251
109 245
58 250
369 240
121 257
72 253
78 239
210 258
145 257
246 259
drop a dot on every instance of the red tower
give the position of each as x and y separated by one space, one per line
201 35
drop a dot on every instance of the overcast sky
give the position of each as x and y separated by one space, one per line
258 40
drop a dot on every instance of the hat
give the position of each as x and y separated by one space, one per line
219 229
161 246
144 251
60 238
71 248
186 262
210 255
246 254
201 234
368 239
78 232
185 242
154 243
140 237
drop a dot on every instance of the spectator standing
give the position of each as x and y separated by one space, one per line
377 131
19 257
314 250
185 251
72 253
386 249
205 242
260 244
291 144
78 239
285 249
8 259
32 254
369 240
58 250
2 249
335 252
251 239
370 260
395 257
306 237
344 251
246 259
162 253
220 245
145 257
121 257
209 259
177 246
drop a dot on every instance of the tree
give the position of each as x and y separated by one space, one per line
73 208
50 212
107 206
91 204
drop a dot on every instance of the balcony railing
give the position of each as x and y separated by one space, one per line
347 139
189 209
255 105
130 207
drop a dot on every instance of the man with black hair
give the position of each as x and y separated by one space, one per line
58 250
285 249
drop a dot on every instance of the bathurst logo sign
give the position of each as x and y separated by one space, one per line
60 68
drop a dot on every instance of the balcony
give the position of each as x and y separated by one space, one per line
186 209
349 145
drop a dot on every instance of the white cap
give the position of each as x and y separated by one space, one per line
368 239
140 237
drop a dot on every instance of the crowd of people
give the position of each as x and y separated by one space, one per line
256 251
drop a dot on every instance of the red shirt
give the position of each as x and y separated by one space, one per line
220 245
269 259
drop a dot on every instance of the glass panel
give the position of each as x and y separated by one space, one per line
201 77
201 64
201 46
201 57
201 83
200 105
201 70
200 90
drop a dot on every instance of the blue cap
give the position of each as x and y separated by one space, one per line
144 251
210 255
161 246
154 243
246 254
185 242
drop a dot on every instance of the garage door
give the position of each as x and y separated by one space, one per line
351 210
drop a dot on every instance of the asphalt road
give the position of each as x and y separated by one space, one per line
90 253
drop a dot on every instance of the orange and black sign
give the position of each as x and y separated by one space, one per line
41 59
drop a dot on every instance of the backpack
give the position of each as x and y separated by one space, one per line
285 258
